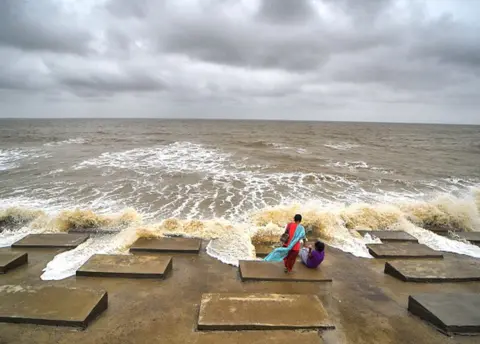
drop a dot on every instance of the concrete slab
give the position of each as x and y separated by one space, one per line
443 231
434 271
253 270
11 260
263 250
402 250
54 240
94 231
129 266
450 312
473 237
168 245
58 306
256 337
390 236
237 312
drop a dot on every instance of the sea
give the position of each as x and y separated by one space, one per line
234 183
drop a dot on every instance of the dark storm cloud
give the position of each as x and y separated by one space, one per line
364 10
31 25
286 11
449 42
277 54
246 46
107 84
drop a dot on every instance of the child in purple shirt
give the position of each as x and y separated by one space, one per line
313 257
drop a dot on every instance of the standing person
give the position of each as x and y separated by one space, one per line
289 252
312 258
291 257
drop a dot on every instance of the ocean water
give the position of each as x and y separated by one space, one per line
234 182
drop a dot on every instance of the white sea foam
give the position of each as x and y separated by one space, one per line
341 145
78 140
357 166
176 157
9 158
13 158
65 264
335 224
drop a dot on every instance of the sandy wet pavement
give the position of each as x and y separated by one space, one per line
365 305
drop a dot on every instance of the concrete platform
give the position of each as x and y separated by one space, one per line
54 240
402 250
130 266
11 260
434 271
473 237
390 236
256 337
237 312
452 313
57 306
253 270
168 245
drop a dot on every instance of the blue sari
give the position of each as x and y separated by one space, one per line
278 254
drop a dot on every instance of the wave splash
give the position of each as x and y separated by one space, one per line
230 241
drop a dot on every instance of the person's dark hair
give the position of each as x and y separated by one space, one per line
298 218
319 246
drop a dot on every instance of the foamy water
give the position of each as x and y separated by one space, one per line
234 183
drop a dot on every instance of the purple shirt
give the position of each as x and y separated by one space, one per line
315 259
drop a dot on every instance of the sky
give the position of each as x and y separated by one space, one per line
345 60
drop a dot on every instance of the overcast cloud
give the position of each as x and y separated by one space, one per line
369 60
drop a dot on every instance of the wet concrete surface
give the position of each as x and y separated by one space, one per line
50 305
169 245
260 337
241 311
445 270
366 305
402 251
126 266
267 271
63 240
473 237
452 313
390 236
10 260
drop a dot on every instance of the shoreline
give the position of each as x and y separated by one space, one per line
365 305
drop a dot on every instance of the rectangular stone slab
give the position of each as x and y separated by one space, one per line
54 240
57 306
253 270
259 337
390 236
473 237
11 260
451 313
439 230
130 266
237 312
434 271
402 250
263 250
169 245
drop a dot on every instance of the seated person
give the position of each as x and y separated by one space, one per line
313 257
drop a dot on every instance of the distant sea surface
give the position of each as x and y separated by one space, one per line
244 173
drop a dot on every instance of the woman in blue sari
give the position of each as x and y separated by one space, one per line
289 252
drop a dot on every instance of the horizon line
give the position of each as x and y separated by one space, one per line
233 119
